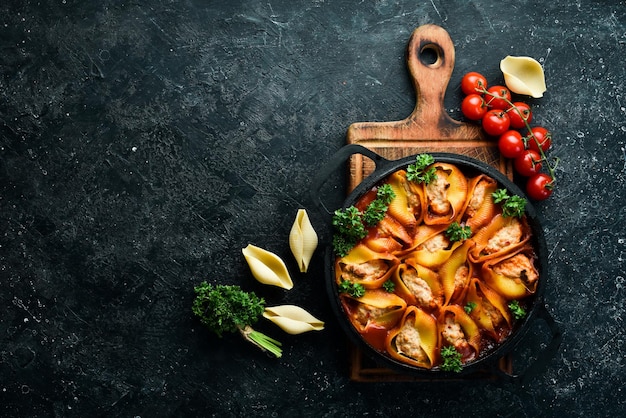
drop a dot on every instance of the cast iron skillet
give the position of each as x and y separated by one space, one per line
537 308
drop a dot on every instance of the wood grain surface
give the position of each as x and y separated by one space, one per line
429 128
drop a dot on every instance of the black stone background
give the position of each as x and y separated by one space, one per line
144 143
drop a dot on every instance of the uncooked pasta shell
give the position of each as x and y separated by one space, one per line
302 240
523 75
267 267
293 319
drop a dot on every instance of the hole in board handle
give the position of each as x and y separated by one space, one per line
430 55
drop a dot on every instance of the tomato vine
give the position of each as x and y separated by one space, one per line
503 118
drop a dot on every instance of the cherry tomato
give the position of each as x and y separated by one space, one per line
495 122
497 99
517 121
471 81
528 163
511 144
474 107
539 186
544 137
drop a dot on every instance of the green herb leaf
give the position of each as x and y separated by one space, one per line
420 171
342 245
500 195
223 308
349 226
385 193
375 212
517 310
423 160
356 290
514 206
451 359
228 308
389 286
456 232
469 307
511 205
349 223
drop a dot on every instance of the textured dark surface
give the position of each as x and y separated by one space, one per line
143 144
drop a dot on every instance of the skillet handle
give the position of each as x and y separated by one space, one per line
543 358
335 163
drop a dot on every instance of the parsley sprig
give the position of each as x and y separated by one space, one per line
421 171
389 286
512 206
385 193
350 224
376 210
350 229
451 359
469 307
517 310
342 245
455 232
356 290
228 308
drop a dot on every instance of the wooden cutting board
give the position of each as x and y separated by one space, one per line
429 128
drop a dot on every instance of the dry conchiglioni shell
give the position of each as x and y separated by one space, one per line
302 240
267 267
523 75
293 319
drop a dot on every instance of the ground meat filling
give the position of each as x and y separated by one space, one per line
478 197
365 313
453 333
413 200
419 288
518 266
368 271
504 237
437 194
436 243
408 343
461 277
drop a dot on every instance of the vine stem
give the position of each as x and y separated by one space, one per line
551 169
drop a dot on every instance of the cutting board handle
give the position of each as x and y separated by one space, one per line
430 59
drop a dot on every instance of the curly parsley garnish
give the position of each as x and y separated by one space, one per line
385 193
456 232
511 205
350 224
350 229
451 359
375 212
356 290
343 245
517 310
389 286
420 171
377 209
228 308
469 307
